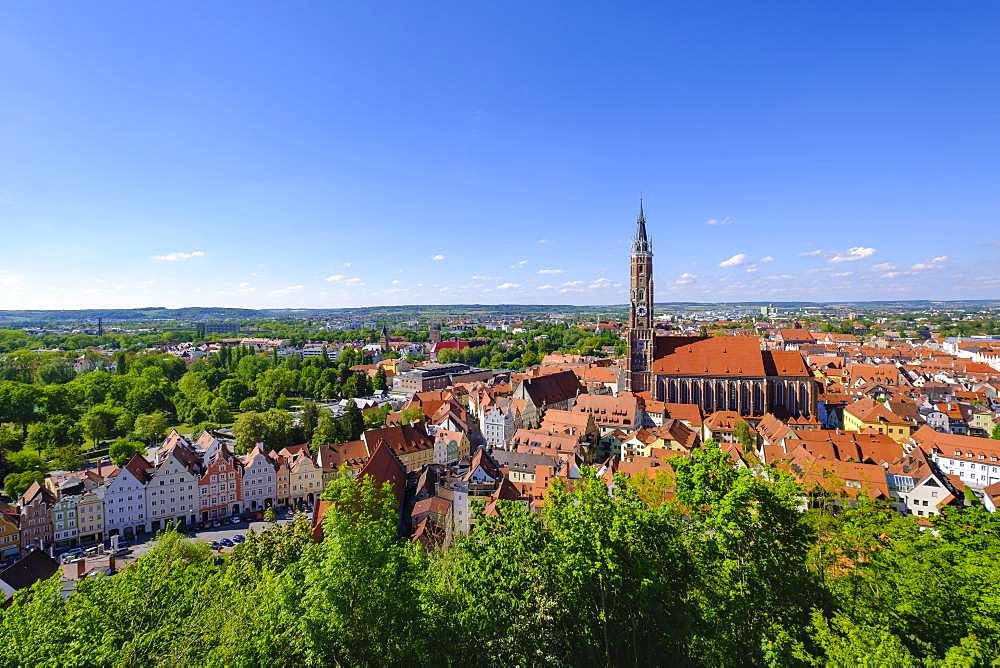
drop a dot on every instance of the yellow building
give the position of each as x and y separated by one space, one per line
868 416
10 531
90 515
305 478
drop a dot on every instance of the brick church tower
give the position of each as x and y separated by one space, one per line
640 317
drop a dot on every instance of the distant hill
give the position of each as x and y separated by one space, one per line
196 314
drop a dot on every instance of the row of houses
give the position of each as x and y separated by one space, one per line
180 483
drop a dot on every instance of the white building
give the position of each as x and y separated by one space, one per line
125 499
975 460
260 482
172 492
498 422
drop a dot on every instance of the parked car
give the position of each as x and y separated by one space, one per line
239 538
215 545
71 555
227 542
235 519
91 551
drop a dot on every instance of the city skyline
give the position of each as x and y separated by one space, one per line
354 157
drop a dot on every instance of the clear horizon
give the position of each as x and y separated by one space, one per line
341 157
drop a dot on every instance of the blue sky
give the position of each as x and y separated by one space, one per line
335 154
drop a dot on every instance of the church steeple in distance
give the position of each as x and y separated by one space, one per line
641 242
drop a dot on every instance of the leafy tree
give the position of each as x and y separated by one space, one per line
351 423
122 449
55 432
14 484
67 458
996 432
249 430
233 391
357 598
280 429
17 404
326 430
744 435
381 382
150 427
101 421
411 415
308 418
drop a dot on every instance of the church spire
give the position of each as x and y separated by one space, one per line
641 243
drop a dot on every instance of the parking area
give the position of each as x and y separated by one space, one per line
226 532
219 533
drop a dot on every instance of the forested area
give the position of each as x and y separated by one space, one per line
52 418
727 573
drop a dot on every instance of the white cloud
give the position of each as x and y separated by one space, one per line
540 242
751 269
340 279
685 278
734 261
779 277
291 289
395 281
347 265
719 221
599 283
884 266
245 288
812 253
508 286
853 254
572 284
522 263
933 263
546 287
438 258
178 255
550 272
842 274
766 259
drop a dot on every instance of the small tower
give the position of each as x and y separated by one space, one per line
435 331
383 340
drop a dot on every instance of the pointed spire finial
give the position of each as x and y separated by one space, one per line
641 242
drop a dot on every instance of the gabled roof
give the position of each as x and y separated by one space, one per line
552 388
33 492
402 439
486 463
139 467
956 446
686 413
717 356
34 566
352 454
384 467
870 411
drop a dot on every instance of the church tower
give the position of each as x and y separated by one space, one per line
638 376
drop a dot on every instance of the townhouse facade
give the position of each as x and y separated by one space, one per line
220 486
125 499
259 485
